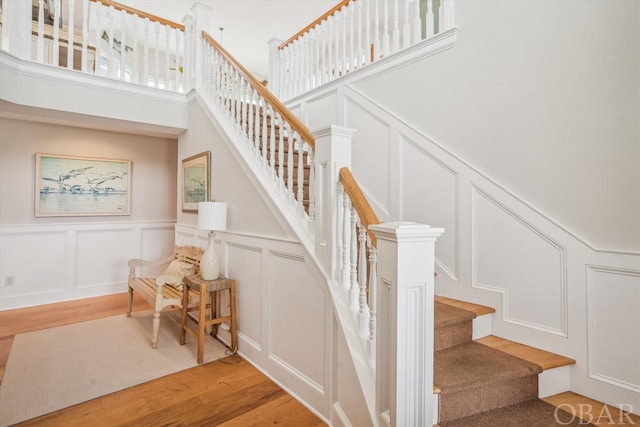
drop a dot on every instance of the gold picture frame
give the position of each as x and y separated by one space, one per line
196 177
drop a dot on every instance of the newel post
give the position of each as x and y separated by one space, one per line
16 28
332 152
201 22
404 350
274 67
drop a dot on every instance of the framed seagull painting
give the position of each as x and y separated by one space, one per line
81 186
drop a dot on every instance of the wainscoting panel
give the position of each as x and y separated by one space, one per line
614 340
294 294
511 256
61 262
429 196
244 264
36 261
368 144
105 263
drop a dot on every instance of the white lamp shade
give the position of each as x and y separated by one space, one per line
212 216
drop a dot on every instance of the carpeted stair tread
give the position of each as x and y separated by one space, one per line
474 378
531 413
446 315
472 363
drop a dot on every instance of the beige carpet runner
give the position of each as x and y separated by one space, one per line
55 368
481 386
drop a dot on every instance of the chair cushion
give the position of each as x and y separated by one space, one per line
179 268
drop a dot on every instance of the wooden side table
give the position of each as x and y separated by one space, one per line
211 288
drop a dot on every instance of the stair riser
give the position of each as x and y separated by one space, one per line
487 397
452 335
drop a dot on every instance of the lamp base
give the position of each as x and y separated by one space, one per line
210 262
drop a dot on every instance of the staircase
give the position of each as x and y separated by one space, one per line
481 382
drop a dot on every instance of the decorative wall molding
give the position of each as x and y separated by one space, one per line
613 341
528 267
70 258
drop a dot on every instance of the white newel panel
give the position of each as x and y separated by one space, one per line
404 363
60 262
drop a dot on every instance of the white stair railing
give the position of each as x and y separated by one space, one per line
282 145
100 37
353 34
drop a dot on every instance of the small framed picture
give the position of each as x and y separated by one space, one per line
195 181
81 186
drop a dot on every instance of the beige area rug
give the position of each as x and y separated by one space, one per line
59 367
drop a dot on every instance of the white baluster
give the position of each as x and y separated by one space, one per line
110 14
363 311
373 297
85 36
360 59
56 32
430 20
290 163
156 68
177 59
351 55
272 142
346 240
251 114
123 45
367 34
344 58
97 40
167 56
339 229
71 34
385 30
417 23
311 187
264 133
376 31
353 250
396 27
145 60
300 173
40 51
135 74
322 69
258 123
281 151
406 30
449 15
330 48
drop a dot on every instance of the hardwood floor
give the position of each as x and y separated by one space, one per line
228 392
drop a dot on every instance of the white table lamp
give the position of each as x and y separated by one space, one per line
212 216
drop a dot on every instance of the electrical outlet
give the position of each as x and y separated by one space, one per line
9 280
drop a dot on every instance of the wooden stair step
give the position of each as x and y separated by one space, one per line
478 309
544 359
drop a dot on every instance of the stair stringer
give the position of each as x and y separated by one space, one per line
291 220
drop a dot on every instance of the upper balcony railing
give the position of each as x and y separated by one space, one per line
99 37
352 35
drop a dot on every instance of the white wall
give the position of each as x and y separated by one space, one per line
543 98
515 166
286 321
62 258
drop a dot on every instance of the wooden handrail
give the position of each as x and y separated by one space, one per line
140 13
293 121
359 201
329 13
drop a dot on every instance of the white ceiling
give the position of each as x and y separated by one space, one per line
248 24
